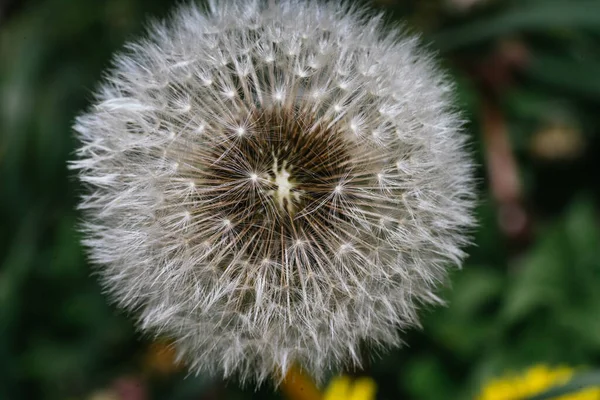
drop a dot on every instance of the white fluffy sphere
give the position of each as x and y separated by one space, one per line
274 184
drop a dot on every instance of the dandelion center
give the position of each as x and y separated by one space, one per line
277 184
285 193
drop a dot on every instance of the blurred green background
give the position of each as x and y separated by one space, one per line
528 78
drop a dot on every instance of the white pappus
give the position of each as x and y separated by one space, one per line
270 184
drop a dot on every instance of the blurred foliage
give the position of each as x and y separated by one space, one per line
520 300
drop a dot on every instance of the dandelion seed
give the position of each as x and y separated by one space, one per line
270 184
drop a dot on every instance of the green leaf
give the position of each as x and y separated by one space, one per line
577 76
426 378
537 278
583 231
562 271
473 291
534 15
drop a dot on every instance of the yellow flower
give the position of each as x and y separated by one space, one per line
534 381
342 388
296 385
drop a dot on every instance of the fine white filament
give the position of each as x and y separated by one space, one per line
270 184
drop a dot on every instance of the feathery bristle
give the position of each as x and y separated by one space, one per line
270 184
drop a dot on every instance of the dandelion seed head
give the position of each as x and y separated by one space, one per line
271 184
